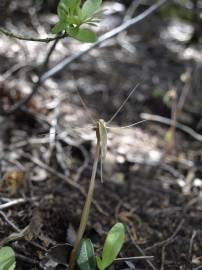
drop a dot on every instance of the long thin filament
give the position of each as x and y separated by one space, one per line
122 105
131 125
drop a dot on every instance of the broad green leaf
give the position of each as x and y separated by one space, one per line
89 8
113 244
7 258
83 35
86 257
59 27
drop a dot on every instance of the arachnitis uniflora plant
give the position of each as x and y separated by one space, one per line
100 154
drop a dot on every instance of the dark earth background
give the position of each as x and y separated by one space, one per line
152 182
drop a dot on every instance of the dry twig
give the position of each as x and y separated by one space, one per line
141 251
29 38
167 121
169 240
15 202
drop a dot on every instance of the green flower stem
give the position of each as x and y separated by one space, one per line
86 209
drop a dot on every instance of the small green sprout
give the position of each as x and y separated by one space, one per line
72 16
7 258
112 246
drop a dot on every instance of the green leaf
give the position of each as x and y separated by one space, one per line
83 35
59 27
113 244
90 7
62 11
99 263
86 257
69 7
72 31
7 258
